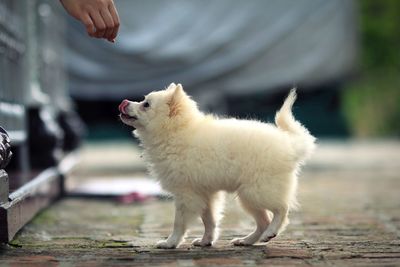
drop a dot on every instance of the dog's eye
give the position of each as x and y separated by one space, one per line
146 104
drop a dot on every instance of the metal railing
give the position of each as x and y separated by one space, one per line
12 77
32 80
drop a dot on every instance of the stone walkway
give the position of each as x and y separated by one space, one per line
350 215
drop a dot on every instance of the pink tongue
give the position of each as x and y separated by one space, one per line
123 105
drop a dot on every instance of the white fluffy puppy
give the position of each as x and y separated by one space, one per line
197 156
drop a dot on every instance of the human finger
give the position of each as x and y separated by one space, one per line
99 23
87 21
114 14
105 14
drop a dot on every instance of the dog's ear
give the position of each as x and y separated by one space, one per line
172 86
179 90
176 100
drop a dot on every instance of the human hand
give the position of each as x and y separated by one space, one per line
100 17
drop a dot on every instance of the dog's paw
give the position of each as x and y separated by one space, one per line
165 244
267 238
199 242
241 242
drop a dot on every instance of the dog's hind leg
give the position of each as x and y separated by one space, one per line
279 221
211 216
262 221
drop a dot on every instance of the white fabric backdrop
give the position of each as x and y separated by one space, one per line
215 48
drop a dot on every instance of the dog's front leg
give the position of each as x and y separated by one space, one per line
209 229
183 215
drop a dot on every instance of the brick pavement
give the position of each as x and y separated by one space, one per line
350 215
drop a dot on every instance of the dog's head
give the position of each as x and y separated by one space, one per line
159 110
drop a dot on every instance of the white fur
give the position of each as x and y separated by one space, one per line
196 157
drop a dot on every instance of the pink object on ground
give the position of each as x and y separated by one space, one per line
133 197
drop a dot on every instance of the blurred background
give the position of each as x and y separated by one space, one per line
234 57
241 58
60 89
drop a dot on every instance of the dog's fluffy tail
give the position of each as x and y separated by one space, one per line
303 141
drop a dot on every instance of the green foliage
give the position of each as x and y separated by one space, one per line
380 22
372 102
372 106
